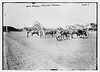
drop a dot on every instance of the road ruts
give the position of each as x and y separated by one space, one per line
20 57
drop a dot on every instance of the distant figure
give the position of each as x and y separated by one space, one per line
41 33
58 35
28 33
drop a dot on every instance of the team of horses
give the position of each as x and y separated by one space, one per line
60 34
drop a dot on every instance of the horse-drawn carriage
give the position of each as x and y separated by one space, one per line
61 34
67 34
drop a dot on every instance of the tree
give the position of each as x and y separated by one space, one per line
38 26
93 25
60 28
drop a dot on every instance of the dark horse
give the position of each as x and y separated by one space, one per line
35 32
80 33
65 33
32 32
49 32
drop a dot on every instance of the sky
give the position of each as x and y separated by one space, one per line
49 14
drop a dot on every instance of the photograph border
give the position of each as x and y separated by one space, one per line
50 2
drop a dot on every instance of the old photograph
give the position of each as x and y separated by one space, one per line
50 36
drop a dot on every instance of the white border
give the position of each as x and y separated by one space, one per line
45 1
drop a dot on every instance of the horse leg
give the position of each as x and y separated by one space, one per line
32 34
67 36
52 34
37 34
61 36
45 35
72 36
27 35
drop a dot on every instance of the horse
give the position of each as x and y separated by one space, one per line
28 33
80 33
32 32
65 33
62 35
58 35
74 32
48 32
54 32
35 32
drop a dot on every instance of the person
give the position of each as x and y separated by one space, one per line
41 33
27 34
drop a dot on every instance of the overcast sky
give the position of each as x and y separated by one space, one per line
18 15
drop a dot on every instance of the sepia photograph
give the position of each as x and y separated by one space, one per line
51 36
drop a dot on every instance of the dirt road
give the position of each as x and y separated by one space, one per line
36 53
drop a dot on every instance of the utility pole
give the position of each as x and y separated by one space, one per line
4 18
6 29
4 22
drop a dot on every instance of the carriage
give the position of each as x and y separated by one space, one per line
66 34
61 35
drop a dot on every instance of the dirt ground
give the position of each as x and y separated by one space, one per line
34 53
